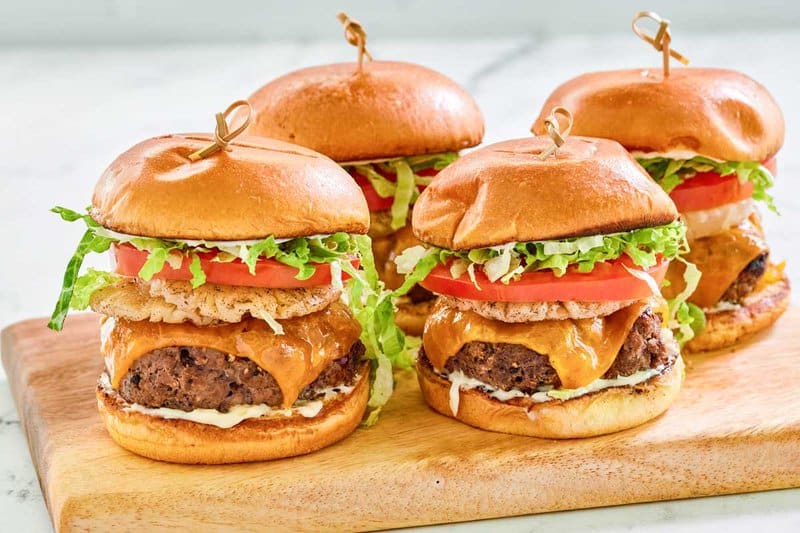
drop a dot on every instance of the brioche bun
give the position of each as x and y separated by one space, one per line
713 112
505 192
598 413
259 188
390 109
758 312
257 439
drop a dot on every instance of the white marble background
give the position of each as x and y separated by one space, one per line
67 112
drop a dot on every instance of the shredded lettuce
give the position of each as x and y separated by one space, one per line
416 263
508 262
669 173
386 345
198 276
90 242
405 191
87 284
404 188
686 318
154 263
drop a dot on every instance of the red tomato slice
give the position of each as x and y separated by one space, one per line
269 273
772 165
609 281
707 190
376 202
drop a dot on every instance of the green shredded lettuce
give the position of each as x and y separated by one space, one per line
154 263
198 276
404 189
87 284
643 246
386 345
90 242
686 319
669 173
506 263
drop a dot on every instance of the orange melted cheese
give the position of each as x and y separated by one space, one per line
580 351
720 258
294 359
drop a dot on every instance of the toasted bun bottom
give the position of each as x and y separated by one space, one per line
411 316
597 413
257 439
759 311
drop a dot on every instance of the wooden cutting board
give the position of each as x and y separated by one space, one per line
735 428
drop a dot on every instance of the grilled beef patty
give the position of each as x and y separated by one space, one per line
747 280
187 378
513 366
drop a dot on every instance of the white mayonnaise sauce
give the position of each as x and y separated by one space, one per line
678 153
237 413
460 381
721 307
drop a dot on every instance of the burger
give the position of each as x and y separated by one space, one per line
392 126
709 137
548 320
222 328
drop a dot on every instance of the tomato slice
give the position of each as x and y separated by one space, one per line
609 281
772 165
376 202
269 273
707 190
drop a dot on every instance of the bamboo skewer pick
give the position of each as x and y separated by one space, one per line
553 129
356 35
222 136
662 39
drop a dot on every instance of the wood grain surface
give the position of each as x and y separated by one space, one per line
735 428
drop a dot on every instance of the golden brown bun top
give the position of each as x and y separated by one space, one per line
718 113
504 193
261 187
391 109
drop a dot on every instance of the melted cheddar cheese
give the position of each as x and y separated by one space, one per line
294 359
720 259
580 351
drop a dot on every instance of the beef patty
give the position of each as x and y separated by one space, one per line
513 366
186 378
743 285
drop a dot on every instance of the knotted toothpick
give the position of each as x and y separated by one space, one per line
662 39
222 136
355 35
553 129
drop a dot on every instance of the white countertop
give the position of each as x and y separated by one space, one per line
67 113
